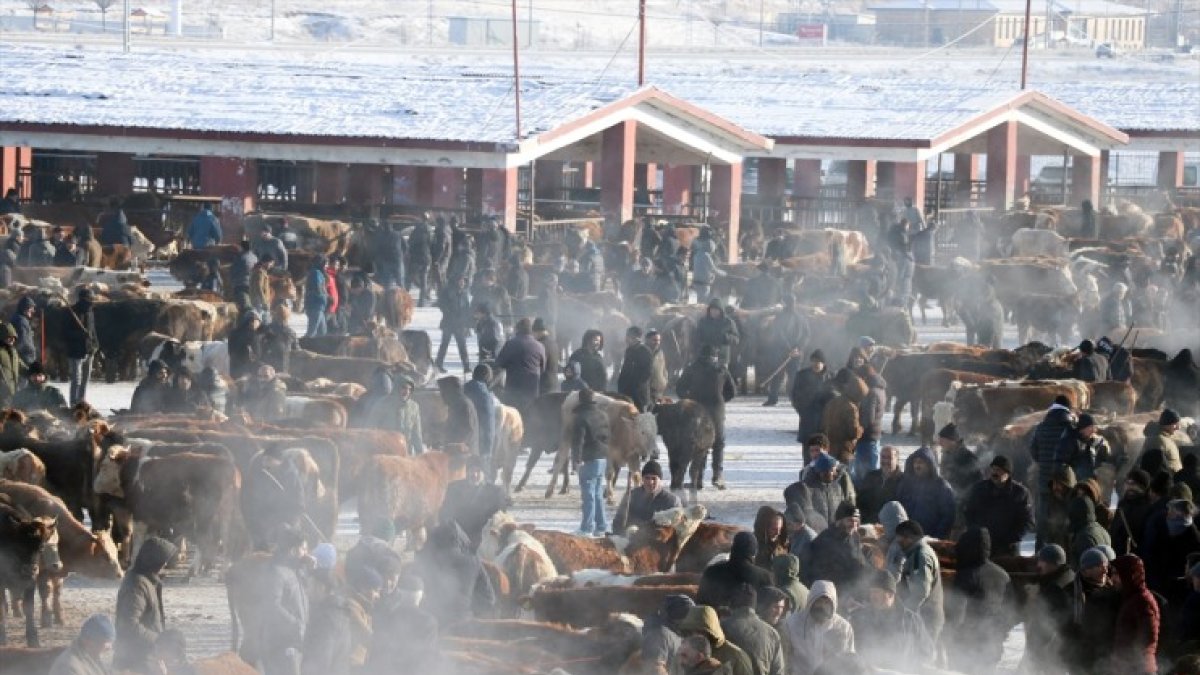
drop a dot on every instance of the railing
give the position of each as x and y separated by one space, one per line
555 230
809 213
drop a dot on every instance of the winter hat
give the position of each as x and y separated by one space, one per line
866 342
1180 491
824 462
1093 557
676 607
1087 346
1062 400
1003 463
1085 421
708 352
35 368
744 546
949 432
1168 416
1107 551
910 528
845 510
817 355
98 628
25 304
794 514
884 581
482 372
1140 477
652 468
539 325
326 556
1053 554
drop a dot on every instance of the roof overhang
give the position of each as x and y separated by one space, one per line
1142 140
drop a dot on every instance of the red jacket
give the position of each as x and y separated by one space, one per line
1135 642
331 288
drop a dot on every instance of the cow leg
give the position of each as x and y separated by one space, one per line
18 610
611 472
46 592
3 617
31 629
534 455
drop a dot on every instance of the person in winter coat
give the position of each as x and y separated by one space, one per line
68 254
269 247
85 654
260 285
589 455
979 606
591 364
919 588
420 257
836 554
717 330
11 203
152 393
660 636
840 421
1187 632
378 389
708 382
245 345
205 229
334 309
139 614
457 587
523 359
636 370
870 416
572 379
489 333
316 298
439 251
704 273
1048 616
889 634
1054 527
923 244
641 503
1085 532
809 393
756 637
114 226
478 392
666 286
1094 606
81 344
927 497
1002 506
399 412
785 335
770 535
38 394
801 535
8 260
487 290
263 396
881 485
360 305
704 621
591 269
719 581
1084 449
276 634
402 631
1129 521
548 384
825 487
455 302
463 425
960 466
890 517
10 365
1163 442
1168 550
277 340
817 635
1135 640
1091 366
239 275
1044 447
1116 310
462 260
659 378
337 640
785 571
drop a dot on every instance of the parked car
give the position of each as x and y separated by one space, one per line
1106 50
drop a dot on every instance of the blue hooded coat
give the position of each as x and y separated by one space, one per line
928 500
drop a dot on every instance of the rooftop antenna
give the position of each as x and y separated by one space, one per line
516 68
641 42
1025 46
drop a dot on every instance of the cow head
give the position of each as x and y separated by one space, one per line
102 560
310 473
48 557
494 534
108 473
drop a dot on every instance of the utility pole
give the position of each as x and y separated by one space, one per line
1025 46
529 26
642 42
516 68
272 20
760 24
127 28
429 17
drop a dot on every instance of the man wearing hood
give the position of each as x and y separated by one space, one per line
10 365
572 379
1167 552
139 614
641 503
399 412
703 620
26 347
979 611
341 631
824 486
717 330
660 636
809 393
403 632
205 229
785 335
591 364
378 389
785 570
81 343
38 394
36 251
152 393
927 497
707 381
817 634
1048 618
920 579
471 502
888 634
1135 640
754 636
316 297
890 517
836 554
589 457
1084 531
719 580
263 396
85 654
1054 527
840 420
277 340
636 370
457 587
1002 506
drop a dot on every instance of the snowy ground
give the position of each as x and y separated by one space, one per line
762 458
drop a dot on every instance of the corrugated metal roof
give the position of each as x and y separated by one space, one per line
1078 7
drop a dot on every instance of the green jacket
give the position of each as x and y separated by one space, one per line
45 397
10 369
391 413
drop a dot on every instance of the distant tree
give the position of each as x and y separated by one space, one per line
36 6
104 5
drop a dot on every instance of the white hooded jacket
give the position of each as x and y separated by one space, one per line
814 643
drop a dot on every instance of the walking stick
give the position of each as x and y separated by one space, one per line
779 369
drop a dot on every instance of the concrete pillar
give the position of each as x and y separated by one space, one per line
12 161
365 184
726 205
1085 180
772 180
1104 158
806 179
114 173
235 180
1170 171
1021 184
498 195
908 180
861 179
548 177
331 182
966 172
1001 165
885 180
617 158
678 183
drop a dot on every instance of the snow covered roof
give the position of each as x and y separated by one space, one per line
1077 7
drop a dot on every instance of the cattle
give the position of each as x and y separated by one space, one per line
69 464
1050 316
321 411
24 538
603 649
510 433
111 277
1181 386
1031 243
1014 278
591 606
936 283
386 348
187 494
688 432
631 444
543 430
851 244
936 385
419 348
263 487
23 466
985 409
1117 398
518 554
395 307
90 554
652 549
319 236
305 365
194 356
408 491
709 540
615 409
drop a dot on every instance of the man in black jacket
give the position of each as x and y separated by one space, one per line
786 334
836 553
591 364
1002 506
634 379
420 245
455 302
589 456
114 226
1044 448
1091 366
81 343
139 612
708 382
642 502
980 613
239 275
810 392
717 330
719 581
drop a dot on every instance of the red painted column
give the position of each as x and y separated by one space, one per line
772 180
1085 179
648 176
908 180
806 179
1170 170
235 180
726 190
114 173
331 182
678 183
617 158
448 187
1021 183
966 172
1001 165
861 179
499 195
587 174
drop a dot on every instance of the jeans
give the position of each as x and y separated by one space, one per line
460 339
591 484
418 275
316 323
866 458
81 373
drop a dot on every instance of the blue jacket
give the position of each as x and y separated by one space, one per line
929 500
316 295
114 229
204 230
485 411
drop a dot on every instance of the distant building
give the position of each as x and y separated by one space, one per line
841 26
934 22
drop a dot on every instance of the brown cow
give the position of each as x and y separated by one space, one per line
711 539
408 491
386 348
1117 398
935 386
305 365
591 606
986 409
645 551
28 660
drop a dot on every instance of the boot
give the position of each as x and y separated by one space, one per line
718 480
770 402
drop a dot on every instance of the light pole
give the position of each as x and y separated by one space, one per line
127 27
641 42
272 20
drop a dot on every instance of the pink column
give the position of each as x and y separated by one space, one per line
1001 165
114 173
1085 179
806 179
236 181
861 179
447 187
498 195
617 158
772 180
677 188
726 191
1170 170
1024 168
908 180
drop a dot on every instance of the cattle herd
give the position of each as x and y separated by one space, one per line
83 490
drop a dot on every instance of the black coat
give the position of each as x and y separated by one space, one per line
1046 437
524 360
589 441
114 229
244 350
634 379
456 586
455 304
719 581
980 605
549 380
708 384
810 392
1006 511
591 368
139 615
834 556
79 331
26 347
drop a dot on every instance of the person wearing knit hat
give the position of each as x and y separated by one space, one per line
325 555
1129 520
1091 366
836 555
641 503
808 395
1086 449
1052 556
718 581
1163 442
1052 617
338 637
1002 505
84 655
1092 559
38 394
